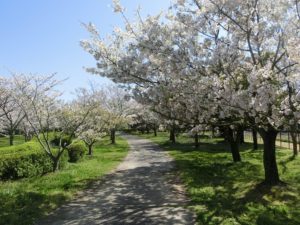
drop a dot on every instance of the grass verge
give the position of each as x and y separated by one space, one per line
23 201
18 139
227 193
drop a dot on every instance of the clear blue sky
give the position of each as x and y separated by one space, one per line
43 37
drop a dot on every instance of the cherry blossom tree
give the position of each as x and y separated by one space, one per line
94 128
38 99
211 62
161 70
26 130
12 116
117 109
258 32
143 119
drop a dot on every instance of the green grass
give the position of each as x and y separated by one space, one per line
227 193
23 201
4 141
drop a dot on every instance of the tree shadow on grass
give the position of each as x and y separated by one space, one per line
273 215
26 207
218 146
223 192
189 147
285 162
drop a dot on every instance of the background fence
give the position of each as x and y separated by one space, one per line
283 139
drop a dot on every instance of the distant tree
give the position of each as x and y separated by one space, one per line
11 113
94 128
117 107
38 99
144 120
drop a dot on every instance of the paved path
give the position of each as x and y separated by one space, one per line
142 191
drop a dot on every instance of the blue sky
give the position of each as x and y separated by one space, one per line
42 37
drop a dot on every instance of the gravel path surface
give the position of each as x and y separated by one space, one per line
141 191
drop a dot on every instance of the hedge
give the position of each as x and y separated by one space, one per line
76 150
26 160
65 140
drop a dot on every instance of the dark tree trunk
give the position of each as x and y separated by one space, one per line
172 136
270 164
242 138
235 151
113 136
147 130
254 136
11 138
234 138
294 140
155 132
27 137
90 147
196 137
55 164
224 133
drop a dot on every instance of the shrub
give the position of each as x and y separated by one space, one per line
63 160
26 160
65 140
76 150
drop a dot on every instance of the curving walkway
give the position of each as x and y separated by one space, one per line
142 191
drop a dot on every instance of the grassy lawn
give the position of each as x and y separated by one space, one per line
4 141
23 201
227 193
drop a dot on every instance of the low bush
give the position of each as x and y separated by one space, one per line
26 160
65 140
76 150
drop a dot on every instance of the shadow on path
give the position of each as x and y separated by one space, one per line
141 191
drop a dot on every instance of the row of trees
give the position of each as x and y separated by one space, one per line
33 106
231 64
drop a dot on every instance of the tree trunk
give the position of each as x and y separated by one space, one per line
235 151
294 140
299 141
155 132
242 138
212 132
224 133
172 136
113 136
234 141
254 135
27 137
90 147
196 137
11 138
270 164
55 164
